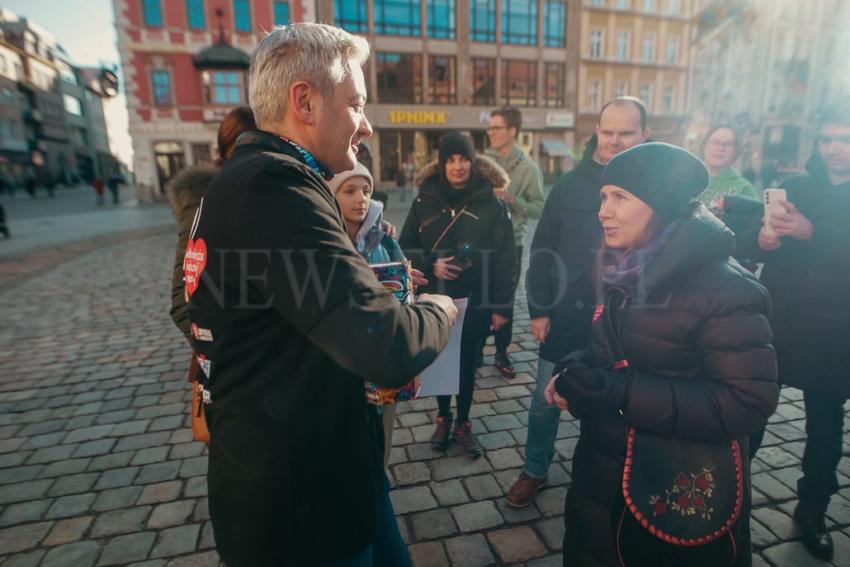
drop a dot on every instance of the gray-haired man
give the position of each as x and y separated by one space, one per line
288 318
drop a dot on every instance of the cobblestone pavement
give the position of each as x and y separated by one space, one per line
97 466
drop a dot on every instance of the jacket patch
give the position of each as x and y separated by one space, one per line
205 364
201 334
598 312
194 262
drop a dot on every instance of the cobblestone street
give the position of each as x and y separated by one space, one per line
98 466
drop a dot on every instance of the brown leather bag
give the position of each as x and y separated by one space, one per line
199 417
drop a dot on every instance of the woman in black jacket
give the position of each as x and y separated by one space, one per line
680 365
460 235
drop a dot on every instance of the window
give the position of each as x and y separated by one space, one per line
669 99
67 74
624 38
554 91
594 96
442 75
225 87
649 48
519 83
242 15
441 19
161 81
645 94
673 7
152 13
621 88
673 50
648 5
519 22
195 13
596 44
397 17
399 77
597 2
554 23
201 154
281 13
484 81
624 4
482 20
73 105
351 15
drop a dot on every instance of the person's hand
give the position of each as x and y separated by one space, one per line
792 223
592 390
768 242
444 302
497 321
418 278
445 270
504 195
553 398
540 327
389 229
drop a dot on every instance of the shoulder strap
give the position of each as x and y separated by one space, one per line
455 217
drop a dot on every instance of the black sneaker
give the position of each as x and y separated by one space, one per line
505 365
463 436
441 438
815 536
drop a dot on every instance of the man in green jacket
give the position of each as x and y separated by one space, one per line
523 197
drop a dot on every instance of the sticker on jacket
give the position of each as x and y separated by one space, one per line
194 262
205 365
201 334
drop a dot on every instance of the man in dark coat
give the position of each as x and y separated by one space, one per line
559 281
807 270
288 317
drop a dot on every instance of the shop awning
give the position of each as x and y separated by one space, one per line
555 148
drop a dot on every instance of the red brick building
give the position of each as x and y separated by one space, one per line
185 66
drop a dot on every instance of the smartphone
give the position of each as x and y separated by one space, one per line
773 199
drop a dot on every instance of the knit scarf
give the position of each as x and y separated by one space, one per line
626 273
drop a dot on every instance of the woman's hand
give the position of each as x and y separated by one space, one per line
540 327
497 321
552 396
418 278
389 229
445 270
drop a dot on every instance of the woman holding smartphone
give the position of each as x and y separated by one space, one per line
460 235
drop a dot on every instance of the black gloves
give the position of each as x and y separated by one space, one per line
588 390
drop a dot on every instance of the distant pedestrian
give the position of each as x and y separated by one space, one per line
4 223
30 185
806 259
720 151
401 184
113 183
97 183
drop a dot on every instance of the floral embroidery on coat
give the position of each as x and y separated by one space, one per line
689 495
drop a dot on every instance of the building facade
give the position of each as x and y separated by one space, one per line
185 66
52 126
638 48
441 65
767 67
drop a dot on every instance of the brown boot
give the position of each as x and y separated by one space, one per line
505 365
441 439
463 436
523 491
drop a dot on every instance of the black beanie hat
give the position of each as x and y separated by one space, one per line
665 177
455 143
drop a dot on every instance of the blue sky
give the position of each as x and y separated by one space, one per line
86 30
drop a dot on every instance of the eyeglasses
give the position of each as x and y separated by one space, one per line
827 140
723 145
494 128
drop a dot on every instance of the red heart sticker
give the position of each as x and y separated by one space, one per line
193 264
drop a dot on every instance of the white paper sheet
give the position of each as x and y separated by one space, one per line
442 378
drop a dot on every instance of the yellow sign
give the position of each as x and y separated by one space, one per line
417 117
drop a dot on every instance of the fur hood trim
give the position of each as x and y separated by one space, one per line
189 185
484 166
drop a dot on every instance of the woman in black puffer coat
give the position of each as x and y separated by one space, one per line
461 236
692 327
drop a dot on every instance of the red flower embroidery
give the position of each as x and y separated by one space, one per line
683 501
702 482
660 508
682 481
699 502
